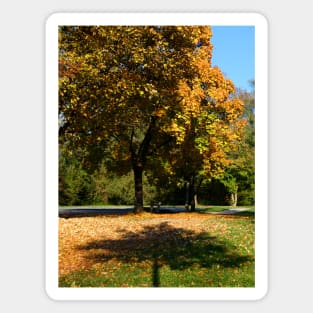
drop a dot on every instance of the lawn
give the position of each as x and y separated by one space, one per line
157 250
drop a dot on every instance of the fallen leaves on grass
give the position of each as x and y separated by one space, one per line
87 242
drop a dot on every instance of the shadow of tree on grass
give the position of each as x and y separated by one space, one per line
164 244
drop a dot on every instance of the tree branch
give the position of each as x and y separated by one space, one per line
165 142
131 148
144 147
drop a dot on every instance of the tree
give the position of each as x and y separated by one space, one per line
128 92
239 176
212 128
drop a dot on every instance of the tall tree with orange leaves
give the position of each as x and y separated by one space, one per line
138 93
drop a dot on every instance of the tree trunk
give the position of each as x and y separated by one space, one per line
192 205
190 195
139 158
187 196
196 199
138 170
233 199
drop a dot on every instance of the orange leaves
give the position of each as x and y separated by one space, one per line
120 78
176 129
93 232
191 98
203 67
159 112
233 108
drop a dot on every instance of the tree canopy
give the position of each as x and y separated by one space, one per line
138 96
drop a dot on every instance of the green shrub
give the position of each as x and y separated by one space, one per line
120 189
74 183
99 182
149 191
246 197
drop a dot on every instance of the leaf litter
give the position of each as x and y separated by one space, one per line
128 233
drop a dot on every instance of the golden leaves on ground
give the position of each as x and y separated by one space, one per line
77 232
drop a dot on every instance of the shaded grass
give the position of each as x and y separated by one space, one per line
167 256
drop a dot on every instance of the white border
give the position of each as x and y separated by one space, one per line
261 94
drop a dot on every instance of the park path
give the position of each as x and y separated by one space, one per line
87 211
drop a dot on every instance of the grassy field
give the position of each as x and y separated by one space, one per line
157 250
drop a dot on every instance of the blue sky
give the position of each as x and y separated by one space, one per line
233 53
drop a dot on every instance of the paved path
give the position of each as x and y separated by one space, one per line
89 211
71 212
231 211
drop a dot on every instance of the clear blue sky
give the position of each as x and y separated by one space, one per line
233 53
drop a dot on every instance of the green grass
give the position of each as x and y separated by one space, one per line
166 256
138 275
220 208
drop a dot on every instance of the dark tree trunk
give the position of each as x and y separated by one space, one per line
187 196
196 191
139 158
192 189
190 195
138 189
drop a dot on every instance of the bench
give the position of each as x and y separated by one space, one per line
155 206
